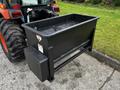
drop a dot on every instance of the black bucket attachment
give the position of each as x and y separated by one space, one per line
57 41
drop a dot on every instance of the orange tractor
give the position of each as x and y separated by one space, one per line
13 13
47 44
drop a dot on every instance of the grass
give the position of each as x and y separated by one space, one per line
107 37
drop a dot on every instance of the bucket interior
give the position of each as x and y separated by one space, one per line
51 26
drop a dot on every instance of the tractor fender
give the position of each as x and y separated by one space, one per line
5 13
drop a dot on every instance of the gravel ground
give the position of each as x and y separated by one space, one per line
84 73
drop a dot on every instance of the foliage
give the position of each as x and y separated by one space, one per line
104 2
112 2
116 2
78 1
95 1
107 2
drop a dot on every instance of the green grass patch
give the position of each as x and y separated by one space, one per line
107 37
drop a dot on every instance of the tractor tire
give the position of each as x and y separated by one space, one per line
13 41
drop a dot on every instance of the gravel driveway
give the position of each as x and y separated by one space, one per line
84 73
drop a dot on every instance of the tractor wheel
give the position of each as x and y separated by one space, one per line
13 42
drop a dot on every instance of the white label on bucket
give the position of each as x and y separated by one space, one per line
39 38
40 48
